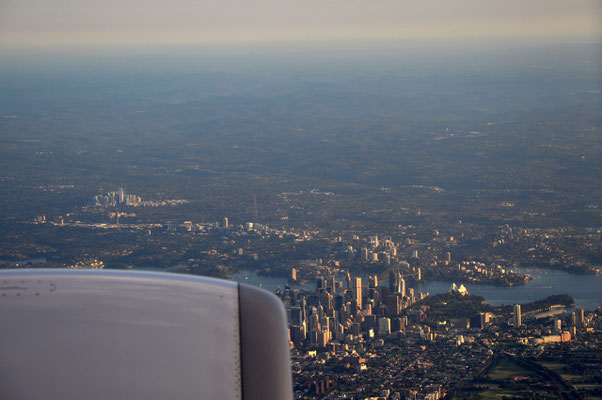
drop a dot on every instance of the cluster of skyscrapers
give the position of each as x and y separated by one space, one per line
120 197
374 249
339 311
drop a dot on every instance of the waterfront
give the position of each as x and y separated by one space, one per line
585 289
268 283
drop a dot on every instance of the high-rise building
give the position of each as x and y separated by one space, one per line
374 241
298 334
392 281
332 284
323 338
558 325
320 283
396 283
573 318
394 304
384 326
357 292
356 242
579 320
476 322
314 321
517 316
397 324
402 287
296 316
480 320
326 300
225 222
339 332
325 324
365 253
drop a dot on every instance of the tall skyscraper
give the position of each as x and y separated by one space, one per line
314 320
579 320
323 339
357 292
296 316
225 222
517 316
332 284
402 287
325 324
396 283
394 304
392 281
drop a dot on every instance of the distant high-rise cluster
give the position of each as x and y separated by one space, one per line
120 197
373 249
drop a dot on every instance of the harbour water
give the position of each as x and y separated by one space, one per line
585 289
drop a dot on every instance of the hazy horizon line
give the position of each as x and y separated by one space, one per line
468 43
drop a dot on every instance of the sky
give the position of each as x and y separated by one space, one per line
39 24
